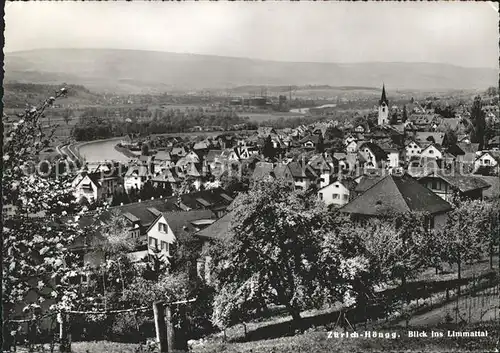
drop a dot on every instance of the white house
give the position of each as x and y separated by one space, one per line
412 149
87 186
334 194
169 227
432 151
136 177
352 147
392 158
487 159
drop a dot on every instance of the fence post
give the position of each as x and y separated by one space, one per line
181 329
170 328
161 334
64 342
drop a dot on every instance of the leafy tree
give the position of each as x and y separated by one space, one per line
405 115
67 115
407 236
333 132
271 256
467 233
145 149
35 255
394 118
492 91
268 150
320 145
450 137
478 122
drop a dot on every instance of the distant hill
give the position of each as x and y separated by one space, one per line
135 71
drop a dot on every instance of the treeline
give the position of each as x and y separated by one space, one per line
91 127
285 249
17 95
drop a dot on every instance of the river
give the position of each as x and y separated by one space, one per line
101 150
306 110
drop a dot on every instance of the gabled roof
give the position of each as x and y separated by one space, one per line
139 170
435 145
319 162
464 183
367 182
300 170
494 154
135 212
262 170
379 153
396 194
214 197
163 156
94 177
212 155
280 171
423 136
462 148
180 222
217 230
313 138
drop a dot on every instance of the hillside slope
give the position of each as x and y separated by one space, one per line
134 71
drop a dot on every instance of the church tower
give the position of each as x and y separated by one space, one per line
383 109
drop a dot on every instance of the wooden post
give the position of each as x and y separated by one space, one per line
64 342
161 333
181 330
170 328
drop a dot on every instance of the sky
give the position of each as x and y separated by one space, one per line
458 33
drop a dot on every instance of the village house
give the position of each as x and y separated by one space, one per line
432 151
98 184
448 187
352 147
412 150
324 167
136 177
219 230
335 193
397 194
262 171
309 142
170 228
373 154
163 160
282 171
425 137
464 152
488 160
302 174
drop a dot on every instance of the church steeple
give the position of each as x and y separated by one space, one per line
383 99
383 108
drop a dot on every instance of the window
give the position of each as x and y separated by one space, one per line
431 151
335 196
346 197
486 161
320 196
434 185
153 242
163 245
162 227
